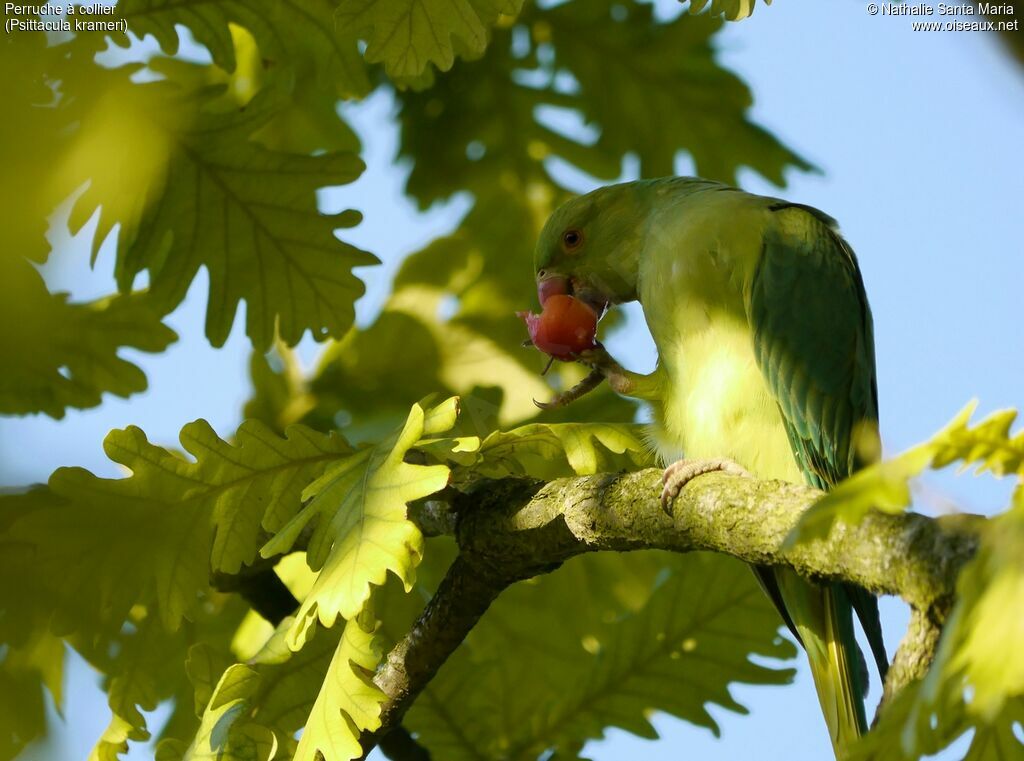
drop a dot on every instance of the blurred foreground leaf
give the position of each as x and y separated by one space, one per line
886 485
57 354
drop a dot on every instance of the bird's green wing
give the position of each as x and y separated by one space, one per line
813 342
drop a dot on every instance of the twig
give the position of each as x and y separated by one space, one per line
916 652
261 587
399 745
468 589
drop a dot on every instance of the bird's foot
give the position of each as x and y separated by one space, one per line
599 360
680 473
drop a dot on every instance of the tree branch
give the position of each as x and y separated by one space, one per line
465 593
516 528
261 587
398 745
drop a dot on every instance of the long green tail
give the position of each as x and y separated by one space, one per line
823 617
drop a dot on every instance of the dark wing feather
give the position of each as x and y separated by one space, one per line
814 344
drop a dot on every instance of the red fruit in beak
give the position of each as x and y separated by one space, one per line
566 327
552 286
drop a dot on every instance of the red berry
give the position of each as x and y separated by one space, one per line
564 328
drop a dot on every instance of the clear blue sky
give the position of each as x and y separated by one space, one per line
918 136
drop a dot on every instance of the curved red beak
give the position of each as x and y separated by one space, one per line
552 286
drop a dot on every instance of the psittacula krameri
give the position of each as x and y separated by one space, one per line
765 364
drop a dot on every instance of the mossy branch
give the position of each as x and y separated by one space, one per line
514 529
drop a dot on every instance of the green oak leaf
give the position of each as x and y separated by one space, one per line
885 486
986 650
59 354
193 190
734 10
657 89
976 681
911 729
348 702
360 529
609 640
29 138
224 734
545 451
85 549
144 665
306 119
548 451
24 674
324 687
409 35
588 84
303 34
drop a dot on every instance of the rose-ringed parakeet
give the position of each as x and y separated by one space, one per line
765 365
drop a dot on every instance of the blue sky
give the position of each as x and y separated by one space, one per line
917 134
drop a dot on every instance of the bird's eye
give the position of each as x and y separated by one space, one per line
572 239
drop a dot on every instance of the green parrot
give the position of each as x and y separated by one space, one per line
765 365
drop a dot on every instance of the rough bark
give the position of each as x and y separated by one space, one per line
515 528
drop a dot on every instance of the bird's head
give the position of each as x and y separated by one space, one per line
590 247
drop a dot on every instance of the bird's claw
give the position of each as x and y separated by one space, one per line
680 473
600 361
585 386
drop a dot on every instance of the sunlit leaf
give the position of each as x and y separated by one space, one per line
360 532
987 638
86 549
886 485
223 733
324 687
547 451
976 681
348 702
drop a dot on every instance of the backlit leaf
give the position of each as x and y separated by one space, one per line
299 34
409 35
610 639
348 702
205 195
733 10
86 549
360 532
886 485
58 354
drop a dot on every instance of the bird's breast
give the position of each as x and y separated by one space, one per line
717 402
